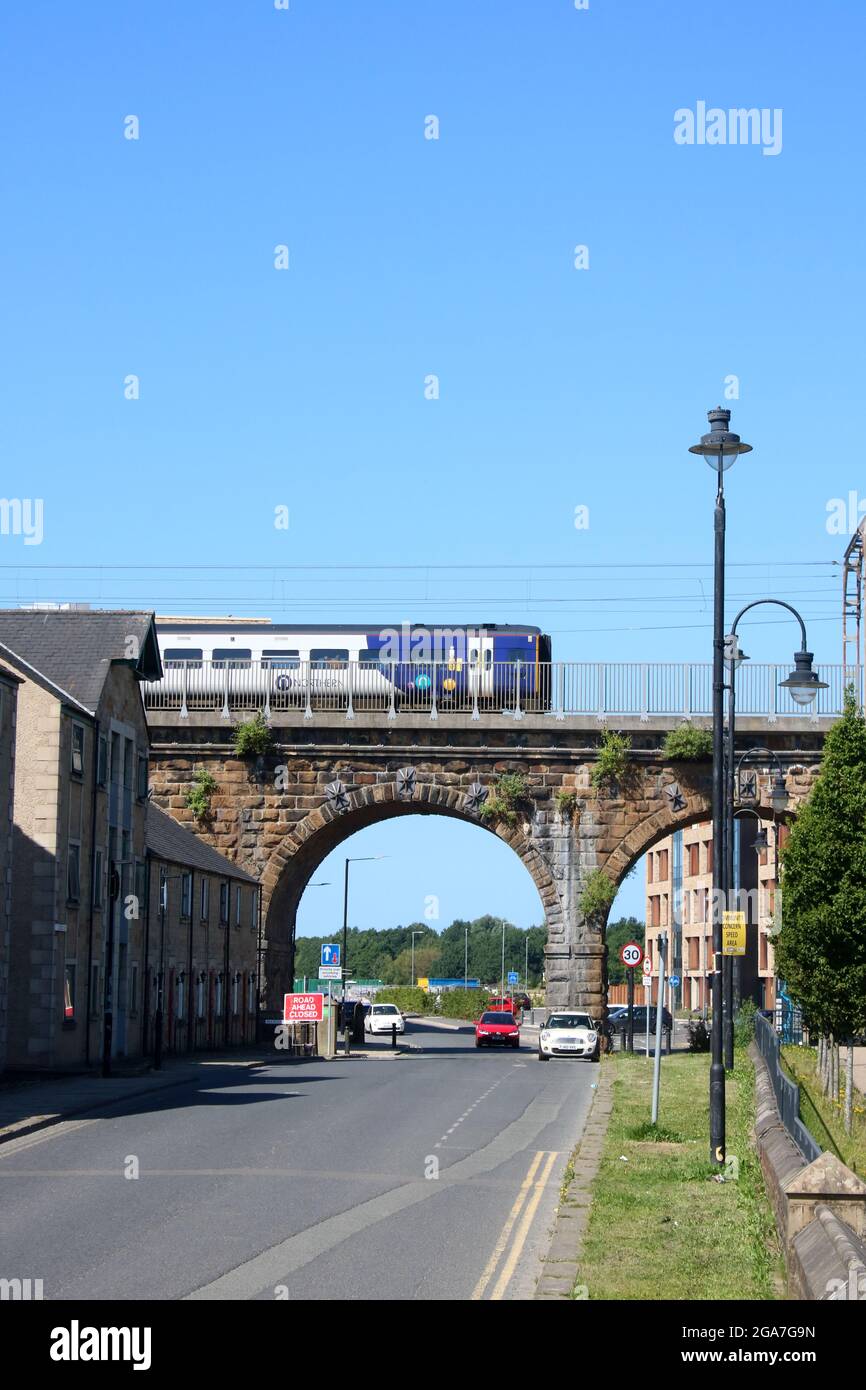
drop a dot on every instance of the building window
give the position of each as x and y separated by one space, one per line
237 906
199 996
76 765
708 857
179 992
73 874
663 863
236 990
94 991
254 899
654 911
102 761
133 987
141 788
204 908
69 994
97 878
251 993
649 868
186 896
694 860
218 995
224 904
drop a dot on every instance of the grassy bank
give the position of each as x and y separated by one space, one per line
824 1119
660 1226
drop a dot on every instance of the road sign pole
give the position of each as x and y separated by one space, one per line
630 1044
657 1060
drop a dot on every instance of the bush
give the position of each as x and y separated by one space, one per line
699 1036
688 744
611 761
744 1023
509 792
198 797
463 1003
409 999
252 738
598 893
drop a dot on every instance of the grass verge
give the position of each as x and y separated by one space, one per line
824 1118
660 1226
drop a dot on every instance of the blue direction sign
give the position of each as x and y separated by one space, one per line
513 977
674 980
330 954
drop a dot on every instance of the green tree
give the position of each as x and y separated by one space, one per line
821 949
618 933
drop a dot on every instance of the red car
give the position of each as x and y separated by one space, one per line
497 1029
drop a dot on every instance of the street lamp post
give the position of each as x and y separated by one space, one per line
502 975
465 957
719 448
414 934
803 683
361 859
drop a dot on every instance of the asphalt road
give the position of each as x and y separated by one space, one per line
429 1176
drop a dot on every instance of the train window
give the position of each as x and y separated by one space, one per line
284 659
488 658
173 657
329 657
232 657
372 656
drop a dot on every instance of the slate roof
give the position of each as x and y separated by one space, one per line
74 650
168 839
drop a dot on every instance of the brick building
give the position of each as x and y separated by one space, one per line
679 882
202 937
9 684
81 759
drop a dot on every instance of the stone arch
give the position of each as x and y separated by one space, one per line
294 862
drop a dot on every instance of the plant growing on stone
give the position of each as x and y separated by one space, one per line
252 737
598 893
509 792
566 803
610 763
687 744
198 797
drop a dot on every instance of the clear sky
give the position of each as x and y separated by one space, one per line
410 257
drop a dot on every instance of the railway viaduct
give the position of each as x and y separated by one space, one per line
280 814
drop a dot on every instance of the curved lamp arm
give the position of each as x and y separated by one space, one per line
780 603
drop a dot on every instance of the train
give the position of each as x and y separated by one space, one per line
205 659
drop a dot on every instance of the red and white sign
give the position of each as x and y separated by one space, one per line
303 1008
631 954
647 967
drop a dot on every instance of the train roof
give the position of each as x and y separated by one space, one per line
168 624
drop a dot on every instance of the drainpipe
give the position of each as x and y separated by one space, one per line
145 1003
93 789
226 1000
259 963
190 1021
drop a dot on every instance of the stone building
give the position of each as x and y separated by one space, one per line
9 684
78 872
679 882
202 940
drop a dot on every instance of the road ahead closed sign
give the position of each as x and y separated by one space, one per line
302 1008
733 933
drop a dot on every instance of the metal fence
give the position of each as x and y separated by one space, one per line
786 1091
559 690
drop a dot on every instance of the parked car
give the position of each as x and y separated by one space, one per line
497 1028
569 1033
640 1019
522 1000
351 1012
382 1018
614 1014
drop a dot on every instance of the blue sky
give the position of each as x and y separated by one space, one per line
409 257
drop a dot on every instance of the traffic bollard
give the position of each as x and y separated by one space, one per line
393 1035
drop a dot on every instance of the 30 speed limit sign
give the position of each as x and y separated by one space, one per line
631 954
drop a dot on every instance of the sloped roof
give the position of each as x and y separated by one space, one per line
74 650
168 839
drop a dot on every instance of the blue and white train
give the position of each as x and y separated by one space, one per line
482 663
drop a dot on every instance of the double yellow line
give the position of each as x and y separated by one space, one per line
528 1205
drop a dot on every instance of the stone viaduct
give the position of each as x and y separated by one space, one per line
280 815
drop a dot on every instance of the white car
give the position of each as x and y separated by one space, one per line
568 1033
381 1018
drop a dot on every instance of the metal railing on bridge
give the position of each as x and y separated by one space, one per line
563 689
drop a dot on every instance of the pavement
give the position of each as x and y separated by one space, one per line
429 1173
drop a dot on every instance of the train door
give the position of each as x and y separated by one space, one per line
480 659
